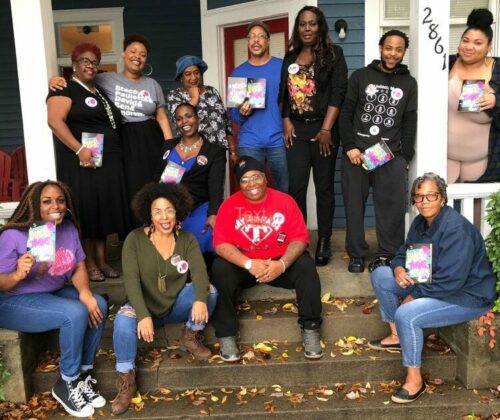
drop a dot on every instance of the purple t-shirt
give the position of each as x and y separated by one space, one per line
69 252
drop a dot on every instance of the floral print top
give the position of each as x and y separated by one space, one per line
301 90
214 121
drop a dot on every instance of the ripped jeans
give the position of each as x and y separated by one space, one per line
125 328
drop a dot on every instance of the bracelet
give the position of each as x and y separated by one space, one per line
79 150
284 265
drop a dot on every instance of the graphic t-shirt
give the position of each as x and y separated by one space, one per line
302 90
43 277
261 230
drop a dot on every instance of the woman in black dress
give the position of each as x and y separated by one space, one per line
99 191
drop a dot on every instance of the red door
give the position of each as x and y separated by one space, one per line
236 52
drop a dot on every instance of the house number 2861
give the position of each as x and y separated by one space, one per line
434 35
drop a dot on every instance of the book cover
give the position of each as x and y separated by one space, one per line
240 89
172 174
471 91
42 241
94 142
419 262
376 156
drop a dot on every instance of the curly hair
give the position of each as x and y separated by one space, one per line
28 210
191 106
177 194
430 176
323 49
84 47
394 32
480 19
131 38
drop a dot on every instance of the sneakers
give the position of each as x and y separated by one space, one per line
229 351
90 394
312 344
70 395
192 342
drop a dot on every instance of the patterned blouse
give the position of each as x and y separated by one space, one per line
214 121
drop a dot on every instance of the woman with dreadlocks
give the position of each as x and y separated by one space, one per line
35 296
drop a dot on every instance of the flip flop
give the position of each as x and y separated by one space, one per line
377 345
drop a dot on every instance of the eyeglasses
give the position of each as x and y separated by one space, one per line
432 196
86 62
158 213
254 178
257 36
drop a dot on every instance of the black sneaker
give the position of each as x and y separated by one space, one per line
89 391
379 262
70 395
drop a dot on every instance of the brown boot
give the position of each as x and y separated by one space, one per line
192 342
127 390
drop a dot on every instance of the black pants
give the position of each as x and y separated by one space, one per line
228 279
389 198
302 156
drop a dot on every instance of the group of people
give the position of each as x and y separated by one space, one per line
190 251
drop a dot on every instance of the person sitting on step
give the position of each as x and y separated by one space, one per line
260 237
461 285
166 282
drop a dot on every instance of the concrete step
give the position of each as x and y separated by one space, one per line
446 402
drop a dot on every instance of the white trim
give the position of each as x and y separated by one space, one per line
373 13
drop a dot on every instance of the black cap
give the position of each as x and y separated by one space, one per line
245 164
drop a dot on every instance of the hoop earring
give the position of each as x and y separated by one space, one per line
150 70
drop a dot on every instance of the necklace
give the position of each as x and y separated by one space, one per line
187 149
162 286
102 99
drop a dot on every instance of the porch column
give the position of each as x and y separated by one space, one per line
36 60
429 28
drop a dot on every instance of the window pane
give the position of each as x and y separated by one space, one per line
71 36
397 9
461 8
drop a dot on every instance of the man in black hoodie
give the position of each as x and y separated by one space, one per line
381 104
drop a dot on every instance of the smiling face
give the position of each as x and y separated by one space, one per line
308 28
258 42
191 77
429 209
186 121
253 185
392 52
86 66
474 46
52 204
135 57
163 216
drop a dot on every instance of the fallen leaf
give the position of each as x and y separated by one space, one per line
326 297
137 399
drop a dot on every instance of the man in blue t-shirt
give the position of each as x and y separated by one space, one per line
261 130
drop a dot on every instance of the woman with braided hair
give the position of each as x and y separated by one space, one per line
35 296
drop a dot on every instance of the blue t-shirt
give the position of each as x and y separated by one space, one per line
263 128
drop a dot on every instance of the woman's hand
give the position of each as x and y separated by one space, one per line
354 156
487 101
194 94
210 222
145 329
85 157
95 314
24 265
199 312
274 269
288 132
402 278
324 137
57 83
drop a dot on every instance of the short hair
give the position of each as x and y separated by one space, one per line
430 176
193 108
394 32
84 47
261 24
27 211
134 37
177 194
480 19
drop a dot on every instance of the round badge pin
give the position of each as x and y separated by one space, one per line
182 267
293 68
165 155
175 259
201 160
396 93
92 102
374 130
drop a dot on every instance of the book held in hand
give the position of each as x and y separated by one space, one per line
94 142
375 156
241 89
472 90
42 241
419 262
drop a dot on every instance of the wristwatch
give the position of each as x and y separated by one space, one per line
248 264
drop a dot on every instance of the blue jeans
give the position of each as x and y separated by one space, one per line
276 158
412 317
125 329
62 310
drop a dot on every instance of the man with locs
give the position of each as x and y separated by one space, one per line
381 104
261 130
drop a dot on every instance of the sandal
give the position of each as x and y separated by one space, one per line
110 272
378 345
96 275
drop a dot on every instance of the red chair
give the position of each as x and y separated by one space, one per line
6 184
18 172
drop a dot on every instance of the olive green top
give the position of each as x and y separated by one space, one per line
140 261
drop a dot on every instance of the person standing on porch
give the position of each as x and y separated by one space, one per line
261 131
380 107
313 85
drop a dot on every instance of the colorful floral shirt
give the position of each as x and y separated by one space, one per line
302 88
